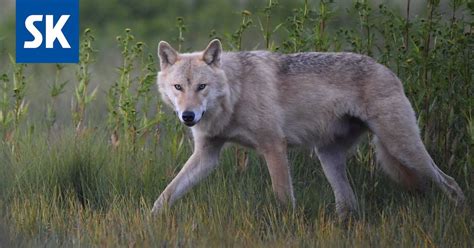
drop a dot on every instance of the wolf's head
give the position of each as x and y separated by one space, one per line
191 83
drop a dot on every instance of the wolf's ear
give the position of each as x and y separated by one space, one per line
168 56
212 53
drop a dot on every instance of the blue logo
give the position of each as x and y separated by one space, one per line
47 31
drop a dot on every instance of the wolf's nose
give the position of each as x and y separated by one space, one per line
188 116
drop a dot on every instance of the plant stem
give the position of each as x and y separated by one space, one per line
407 26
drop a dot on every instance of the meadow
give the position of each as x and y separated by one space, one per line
81 163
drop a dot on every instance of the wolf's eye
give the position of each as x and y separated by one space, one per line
178 87
202 86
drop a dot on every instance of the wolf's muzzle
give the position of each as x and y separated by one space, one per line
188 118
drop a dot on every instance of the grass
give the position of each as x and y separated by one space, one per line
69 192
61 185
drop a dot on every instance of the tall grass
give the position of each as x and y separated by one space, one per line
81 93
96 189
129 98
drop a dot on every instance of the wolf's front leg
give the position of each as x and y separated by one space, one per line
277 162
199 165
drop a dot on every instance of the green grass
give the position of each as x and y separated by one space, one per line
81 192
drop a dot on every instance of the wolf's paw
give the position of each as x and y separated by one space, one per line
346 212
460 200
157 207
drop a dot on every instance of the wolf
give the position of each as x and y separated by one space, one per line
269 101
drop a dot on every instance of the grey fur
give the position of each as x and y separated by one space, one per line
267 101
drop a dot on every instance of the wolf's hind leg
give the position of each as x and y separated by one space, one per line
333 161
399 137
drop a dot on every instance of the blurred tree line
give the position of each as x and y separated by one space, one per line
154 20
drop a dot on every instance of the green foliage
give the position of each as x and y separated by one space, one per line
82 193
56 89
236 38
181 29
132 92
81 93
308 28
266 29
321 40
297 41
13 104
364 12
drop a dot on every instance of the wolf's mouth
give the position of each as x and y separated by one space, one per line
189 123
193 122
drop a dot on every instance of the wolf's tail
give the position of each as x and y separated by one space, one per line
408 178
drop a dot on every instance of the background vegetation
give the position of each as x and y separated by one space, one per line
85 149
